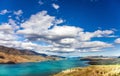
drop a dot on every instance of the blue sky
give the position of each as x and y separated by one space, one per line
62 27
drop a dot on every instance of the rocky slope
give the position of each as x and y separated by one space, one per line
12 56
9 50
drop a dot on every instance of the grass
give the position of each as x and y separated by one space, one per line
94 70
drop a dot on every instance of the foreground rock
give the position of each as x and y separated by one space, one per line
13 56
95 70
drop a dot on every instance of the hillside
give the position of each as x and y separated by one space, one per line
12 56
9 50
95 70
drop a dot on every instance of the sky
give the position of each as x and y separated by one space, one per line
62 27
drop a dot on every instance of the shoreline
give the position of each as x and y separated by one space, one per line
15 59
97 67
99 61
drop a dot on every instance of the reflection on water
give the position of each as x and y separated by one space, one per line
40 68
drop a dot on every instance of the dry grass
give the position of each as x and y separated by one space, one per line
95 70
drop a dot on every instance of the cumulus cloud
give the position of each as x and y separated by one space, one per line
55 6
65 38
18 13
3 12
7 32
86 36
67 41
9 38
37 23
6 28
59 32
92 44
117 41
42 27
59 21
19 44
13 24
12 14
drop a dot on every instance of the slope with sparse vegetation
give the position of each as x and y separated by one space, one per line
94 70
12 56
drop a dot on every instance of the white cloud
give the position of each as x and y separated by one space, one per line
44 28
59 32
40 2
18 13
55 6
7 32
67 41
7 37
3 12
117 41
91 44
63 38
6 28
86 36
13 24
40 21
86 47
59 21
19 44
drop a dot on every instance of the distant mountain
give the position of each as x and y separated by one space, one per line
9 50
58 56
11 56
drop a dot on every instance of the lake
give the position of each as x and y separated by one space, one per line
46 68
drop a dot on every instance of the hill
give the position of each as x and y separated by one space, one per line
14 51
94 70
13 56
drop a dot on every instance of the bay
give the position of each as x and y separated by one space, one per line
46 68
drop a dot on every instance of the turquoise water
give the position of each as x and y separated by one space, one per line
46 68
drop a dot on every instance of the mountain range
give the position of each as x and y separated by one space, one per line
10 55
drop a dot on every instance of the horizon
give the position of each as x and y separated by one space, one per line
61 27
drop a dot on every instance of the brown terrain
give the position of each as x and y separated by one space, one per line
94 60
94 70
12 56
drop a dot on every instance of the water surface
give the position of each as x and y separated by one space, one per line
46 68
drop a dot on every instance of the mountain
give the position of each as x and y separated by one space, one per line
11 56
9 50
58 56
